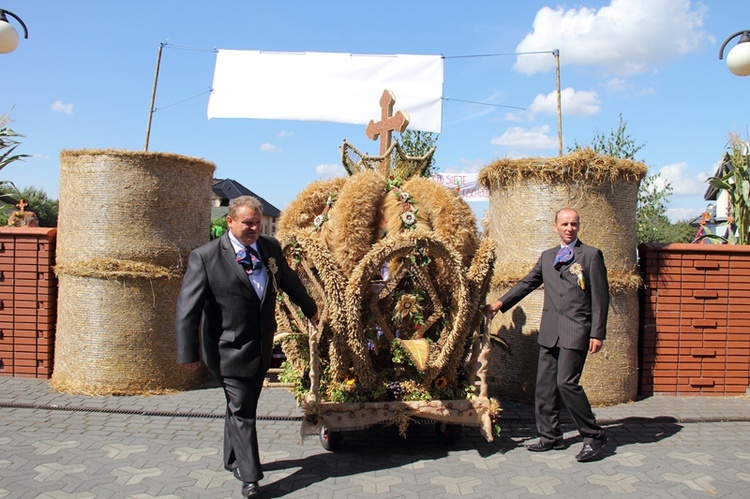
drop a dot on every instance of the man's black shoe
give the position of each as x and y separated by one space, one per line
590 451
250 489
545 445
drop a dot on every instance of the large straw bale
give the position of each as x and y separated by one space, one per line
133 205
128 221
115 336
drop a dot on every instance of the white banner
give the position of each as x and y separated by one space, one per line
320 86
466 184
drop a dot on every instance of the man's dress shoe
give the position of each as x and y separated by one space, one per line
590 451
545 445
250 489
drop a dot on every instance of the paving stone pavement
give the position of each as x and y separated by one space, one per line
54 445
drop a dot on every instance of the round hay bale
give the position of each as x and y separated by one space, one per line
611 376
128 221
524 196
115 336
142 206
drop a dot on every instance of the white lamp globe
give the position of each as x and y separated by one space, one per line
738 59
8 38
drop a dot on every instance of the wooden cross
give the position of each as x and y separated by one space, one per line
387 124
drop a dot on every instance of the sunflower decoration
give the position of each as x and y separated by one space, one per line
441 383
407 306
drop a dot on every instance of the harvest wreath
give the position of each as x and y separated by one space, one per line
395 264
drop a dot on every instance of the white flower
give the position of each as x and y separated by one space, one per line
405 197
318 222
408 218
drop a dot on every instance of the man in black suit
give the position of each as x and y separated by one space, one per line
574 324
231 284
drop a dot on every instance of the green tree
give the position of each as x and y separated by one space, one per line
38 202
416 143
652 223
681 232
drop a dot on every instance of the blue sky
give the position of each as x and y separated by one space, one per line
83 79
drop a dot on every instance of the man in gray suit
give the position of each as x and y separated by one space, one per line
574 324
231 285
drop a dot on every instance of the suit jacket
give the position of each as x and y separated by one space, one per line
238 327
570 315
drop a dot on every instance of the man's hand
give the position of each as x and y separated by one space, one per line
595 345
492 308
193 366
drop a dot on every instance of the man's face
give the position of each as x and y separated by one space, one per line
246 225
566 225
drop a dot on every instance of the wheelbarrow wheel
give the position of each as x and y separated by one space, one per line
330 440
449 434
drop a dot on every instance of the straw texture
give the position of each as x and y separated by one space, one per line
128 221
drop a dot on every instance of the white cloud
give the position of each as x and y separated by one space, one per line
466 166
268 147
678 214
683 183
38 155
532 138
574 103
623 86
514 117
330 170
59 107
284 134
625 37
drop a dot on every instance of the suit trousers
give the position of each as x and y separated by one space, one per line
240 435
557 380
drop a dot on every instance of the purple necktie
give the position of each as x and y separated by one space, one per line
564 255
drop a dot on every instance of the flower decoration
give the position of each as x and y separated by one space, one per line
441 383
577 270
407 305
273 269
319 220
407 202
350 381
408 218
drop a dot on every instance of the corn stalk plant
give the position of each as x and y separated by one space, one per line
736 183
8 143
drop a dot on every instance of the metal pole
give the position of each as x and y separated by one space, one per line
556 53
153 96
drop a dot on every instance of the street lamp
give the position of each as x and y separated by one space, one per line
738 59
8 34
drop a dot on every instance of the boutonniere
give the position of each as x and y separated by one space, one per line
273 269
577 270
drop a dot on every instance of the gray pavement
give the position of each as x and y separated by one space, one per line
169 446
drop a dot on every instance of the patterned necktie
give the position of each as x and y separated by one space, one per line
564 255
249 259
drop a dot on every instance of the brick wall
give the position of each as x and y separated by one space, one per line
695 319
28 301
